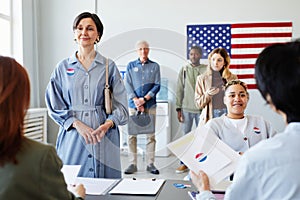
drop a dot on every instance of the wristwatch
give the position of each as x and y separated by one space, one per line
145 99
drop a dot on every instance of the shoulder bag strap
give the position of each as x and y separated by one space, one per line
106 74
184 75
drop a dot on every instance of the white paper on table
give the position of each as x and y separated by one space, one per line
202 150
70 173
97 186
138 186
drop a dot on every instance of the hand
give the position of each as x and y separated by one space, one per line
180 116
85 131
78 190
200 180
212 91
100 132
140 108
138 102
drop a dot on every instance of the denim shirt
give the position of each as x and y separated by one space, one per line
141 80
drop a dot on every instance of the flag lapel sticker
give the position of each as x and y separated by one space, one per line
256 130
70 71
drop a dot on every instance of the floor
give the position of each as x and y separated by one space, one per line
166 166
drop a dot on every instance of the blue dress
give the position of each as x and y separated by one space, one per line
75 93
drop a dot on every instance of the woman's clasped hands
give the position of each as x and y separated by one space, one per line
90 135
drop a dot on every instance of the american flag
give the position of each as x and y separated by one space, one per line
243 42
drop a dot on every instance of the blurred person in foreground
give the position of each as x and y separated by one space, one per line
28 169
270 169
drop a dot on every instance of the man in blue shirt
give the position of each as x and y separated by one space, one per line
142 83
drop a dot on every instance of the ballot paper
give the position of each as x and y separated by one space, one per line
202 150
70 173
93 186
135 186
97 186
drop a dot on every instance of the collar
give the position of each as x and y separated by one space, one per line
98 58
147 61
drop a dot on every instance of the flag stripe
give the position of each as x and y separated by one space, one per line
246 50
245 66
240 46
260 24
261 30
233 56
250 81
243 76
242 61
251 86
258 40
260 35
242 71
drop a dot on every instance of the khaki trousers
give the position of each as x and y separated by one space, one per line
150 145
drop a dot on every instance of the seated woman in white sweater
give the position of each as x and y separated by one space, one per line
236 129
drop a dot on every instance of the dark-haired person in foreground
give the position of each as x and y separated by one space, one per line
270 169
28 169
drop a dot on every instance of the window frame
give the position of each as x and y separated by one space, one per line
8 17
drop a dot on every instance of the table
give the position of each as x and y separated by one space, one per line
168 191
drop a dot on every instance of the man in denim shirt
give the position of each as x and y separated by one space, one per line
142 83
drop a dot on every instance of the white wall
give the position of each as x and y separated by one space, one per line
162 23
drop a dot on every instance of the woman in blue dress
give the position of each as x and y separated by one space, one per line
75 100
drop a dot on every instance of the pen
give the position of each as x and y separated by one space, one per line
152 179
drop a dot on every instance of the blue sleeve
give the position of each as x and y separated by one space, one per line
120 113
245 182
155 89
129 83
58 107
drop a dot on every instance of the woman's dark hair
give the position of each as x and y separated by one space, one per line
277 74
94 17
14 102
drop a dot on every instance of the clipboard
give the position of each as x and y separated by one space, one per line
133 186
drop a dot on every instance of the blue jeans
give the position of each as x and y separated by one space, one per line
219 112
188 119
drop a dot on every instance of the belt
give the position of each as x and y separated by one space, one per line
85 108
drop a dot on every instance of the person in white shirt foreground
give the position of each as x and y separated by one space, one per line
270 169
